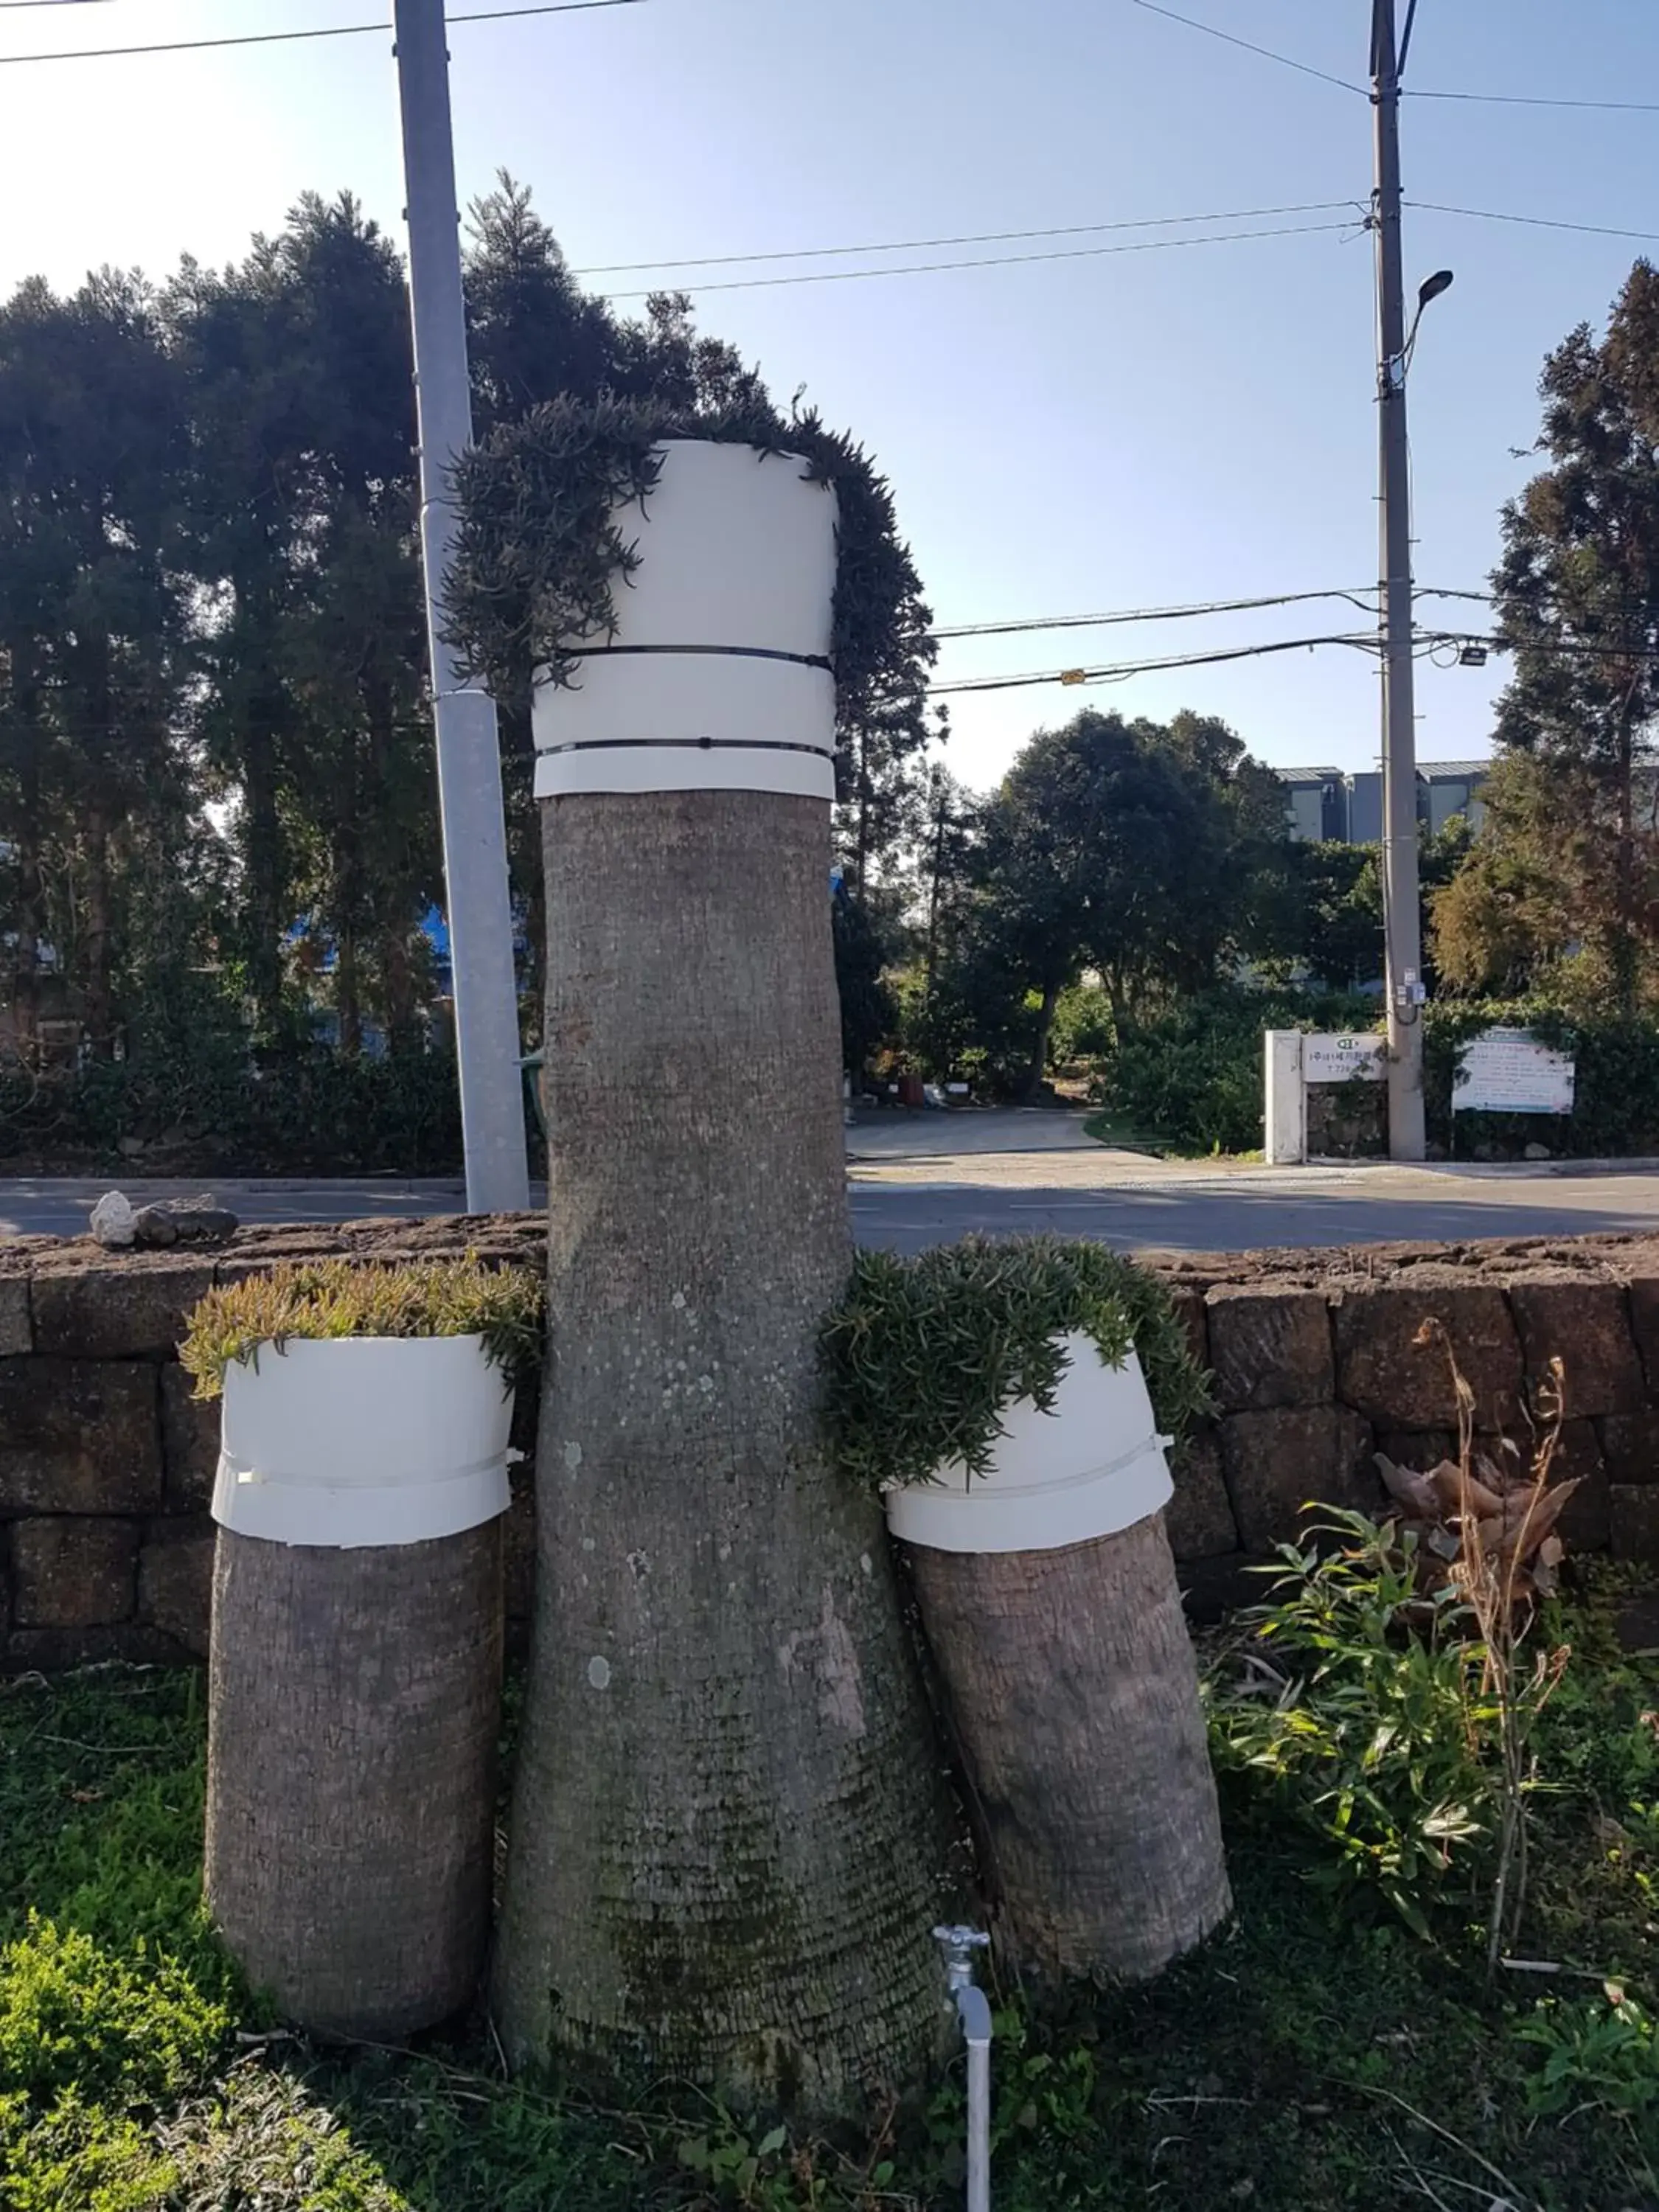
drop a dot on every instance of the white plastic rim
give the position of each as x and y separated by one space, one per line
717 675
359 1441
1093 1468
641 725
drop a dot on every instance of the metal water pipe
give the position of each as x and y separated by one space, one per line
973 2012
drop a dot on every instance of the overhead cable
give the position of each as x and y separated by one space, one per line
1267 53
963 238
984 261
318 30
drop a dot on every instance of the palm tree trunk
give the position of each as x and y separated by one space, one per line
354 1707
1073 1696
729 1826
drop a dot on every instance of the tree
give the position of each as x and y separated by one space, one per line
1566 858
1093 847
881 697
945 857
93 763
726 1830
305 517
864 941
1509 919
1336 929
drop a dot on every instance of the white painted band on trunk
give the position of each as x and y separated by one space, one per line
716 677
1092 1468
359 1441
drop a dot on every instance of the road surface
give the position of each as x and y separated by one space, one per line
919 1181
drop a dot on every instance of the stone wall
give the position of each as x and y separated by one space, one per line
1317 1367
107 1461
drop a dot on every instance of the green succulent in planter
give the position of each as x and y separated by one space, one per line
923 1356
317 1299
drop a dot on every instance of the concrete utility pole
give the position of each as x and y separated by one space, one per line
468 752
1401 908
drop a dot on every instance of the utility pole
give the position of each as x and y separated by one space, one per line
469 751
1402 924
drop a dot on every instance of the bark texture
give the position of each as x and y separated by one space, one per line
353 1708
730 1825
1074 1694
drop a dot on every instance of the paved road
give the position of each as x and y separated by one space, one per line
907 1202
1237 1213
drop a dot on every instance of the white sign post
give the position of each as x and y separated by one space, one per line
1285 1120
1295 1059
1508 1071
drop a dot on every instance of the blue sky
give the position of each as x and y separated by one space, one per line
1066 436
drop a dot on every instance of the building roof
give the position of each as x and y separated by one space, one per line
1453 767
1309 774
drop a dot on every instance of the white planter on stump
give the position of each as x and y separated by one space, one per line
717 676
355 1675
1092 1467
1047 1592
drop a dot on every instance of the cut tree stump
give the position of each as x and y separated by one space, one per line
1073 1693
353 1704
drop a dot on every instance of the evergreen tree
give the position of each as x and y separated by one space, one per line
92 765
1569 860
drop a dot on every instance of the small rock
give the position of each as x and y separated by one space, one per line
184 1221
1538 1152
129 1147
113 1222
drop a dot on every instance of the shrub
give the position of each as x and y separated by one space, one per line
1193 1075
76 2018
1602 2055
312 1112
336 1298
923 1355
1356 1726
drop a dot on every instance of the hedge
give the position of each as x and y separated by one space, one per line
1193 1078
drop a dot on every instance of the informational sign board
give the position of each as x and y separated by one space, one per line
1329 1058
1508 1071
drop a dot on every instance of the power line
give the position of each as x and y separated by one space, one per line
1356 595
964 238
289 38
1115 671
1148 614
1424 642
1534 222
1267 53
1535 100
987 261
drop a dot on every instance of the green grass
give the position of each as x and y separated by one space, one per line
1303 2062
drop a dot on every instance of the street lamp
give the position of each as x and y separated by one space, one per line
1430 289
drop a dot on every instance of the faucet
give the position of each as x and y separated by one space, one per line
974 2011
